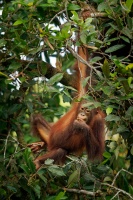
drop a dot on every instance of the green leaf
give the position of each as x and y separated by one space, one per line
19 21
116 152
83 37
130 188
106 69
114 48
96 104
30 4
74 177
65 31
43 67
56 171
102 169
126 31
112 145
95 59
46 5
102 6
56 78
11 188
122 129
67 94
25 168
51 1
129 4
129 22
72 6
14 108
36 187
89 26
110 118
130 79
107 179
35 50
30 106
129 112
131 150
31 166
129 66
75 17
99 74
14 65
85 81
51 89
3 193
28 160
49 161
125 39
107 154
2 74
125 84
70 88
89 177
119 64
106 90
109 110
40 174
60 196
2 42
22 79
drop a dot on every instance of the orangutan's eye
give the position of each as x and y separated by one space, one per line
87 111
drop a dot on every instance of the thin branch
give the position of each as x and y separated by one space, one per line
115 195
6 146
68 79
81 191
118 189
76 55
122 170
98 14
56 16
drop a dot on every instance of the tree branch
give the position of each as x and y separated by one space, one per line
81 191
122 170
118 189
68 79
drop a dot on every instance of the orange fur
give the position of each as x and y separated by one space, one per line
71 134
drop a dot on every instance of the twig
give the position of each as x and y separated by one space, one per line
98 14
6 146
115 195
118 189
81 191
15 152
119 173
76 55
56 16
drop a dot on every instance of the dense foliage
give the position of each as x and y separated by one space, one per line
34 37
